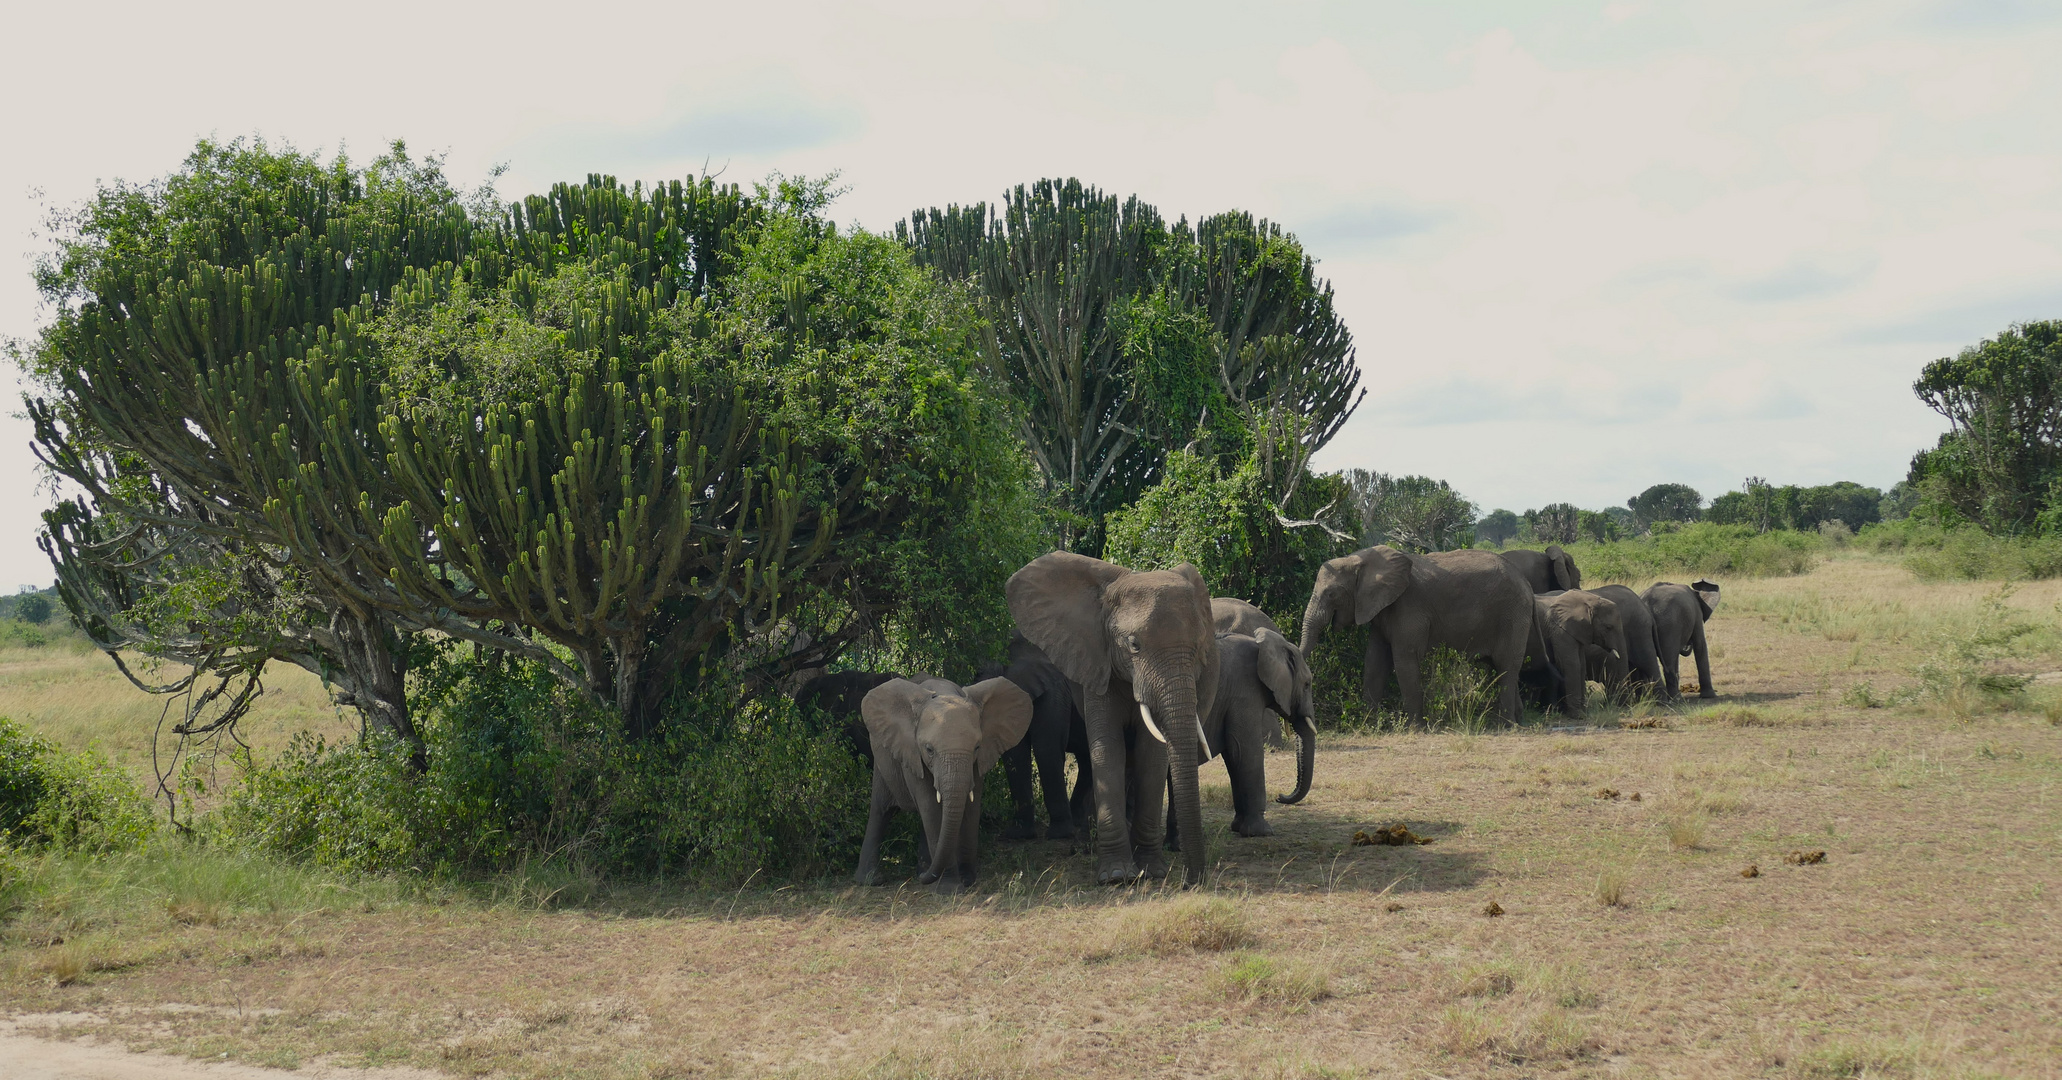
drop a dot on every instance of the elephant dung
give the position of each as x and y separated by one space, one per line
1396 835
1392 907
1751 871
1493 909
1607 793
1642 722
1805 858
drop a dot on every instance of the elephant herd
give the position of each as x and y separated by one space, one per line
1142 676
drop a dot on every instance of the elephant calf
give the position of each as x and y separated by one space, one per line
838 696
1680 612
1570 624
1057 729
939 740
1260 676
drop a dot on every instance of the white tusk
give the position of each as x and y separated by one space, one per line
1202 739
1147 715
938 795
970 796
1615 656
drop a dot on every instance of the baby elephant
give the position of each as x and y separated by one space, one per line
932 743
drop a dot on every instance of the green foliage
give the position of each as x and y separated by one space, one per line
54 799
1665 502
1500 527
523 771
1962 672
1765 506
1704 548
1227 525
33 608
1936 552
2000 465
1410 513
1555 523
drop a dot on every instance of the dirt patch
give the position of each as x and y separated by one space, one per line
27 1057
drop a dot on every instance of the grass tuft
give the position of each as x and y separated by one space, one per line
1189 924
1610 890
1685 833
1252 976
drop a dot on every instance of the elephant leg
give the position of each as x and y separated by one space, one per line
1016 767
1509 699
1110 768
1149 781
1374 673
1245 761
1082 803
1702 651
1051 755
1671 674
876 825
1410 678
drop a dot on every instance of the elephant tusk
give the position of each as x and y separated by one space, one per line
1615 656
1147 715
970 796
938 795
1202 739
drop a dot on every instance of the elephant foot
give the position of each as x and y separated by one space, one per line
1112 872
1707 694
865 877
925 877
951 886
1060 831
1153 865
1020 831
1254 828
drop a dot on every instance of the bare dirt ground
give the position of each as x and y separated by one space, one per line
1925 942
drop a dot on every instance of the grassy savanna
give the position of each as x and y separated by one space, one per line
68 692
1924 944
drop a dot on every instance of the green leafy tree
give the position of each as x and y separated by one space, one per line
1665 502
1557 523
1597 527
1500 527
2003 454
32 608
1411 513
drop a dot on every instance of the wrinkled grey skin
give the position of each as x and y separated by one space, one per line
1679 614
1260 677
1128 639
1571 623
1471 601
1241 617
1551 570
1640 670
932 745
1057 729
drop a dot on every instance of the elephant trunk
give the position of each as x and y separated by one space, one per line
955 777
1183 729
1317 616
1306 760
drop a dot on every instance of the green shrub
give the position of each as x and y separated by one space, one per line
1701 549
1936 552
523 770
53 799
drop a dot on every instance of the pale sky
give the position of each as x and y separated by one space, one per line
1583 247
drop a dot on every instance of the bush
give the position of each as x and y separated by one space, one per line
524 770
1701 548
1937 552
53 799
32 608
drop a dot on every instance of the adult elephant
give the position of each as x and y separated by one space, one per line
1057 729
1679 615
1141 647
1640 670
1572 623
1545 571
1470 601
1260 676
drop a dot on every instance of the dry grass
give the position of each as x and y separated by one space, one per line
1610 890
1925 944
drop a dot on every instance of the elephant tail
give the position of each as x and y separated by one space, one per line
1306 760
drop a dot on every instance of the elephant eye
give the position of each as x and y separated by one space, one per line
1132 642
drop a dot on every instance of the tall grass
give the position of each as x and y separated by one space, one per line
1934 553
1700 550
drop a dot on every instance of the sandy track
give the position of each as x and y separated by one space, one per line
25 1057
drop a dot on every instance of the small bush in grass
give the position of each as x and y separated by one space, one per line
1685 833
1252 976
1851 1058
1935 552
51 798
1610 890
1962 674
1189 924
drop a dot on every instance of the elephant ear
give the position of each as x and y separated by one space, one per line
1565 574
1005 716
1277 669
1057 602
1384 574
891 711
1707 594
